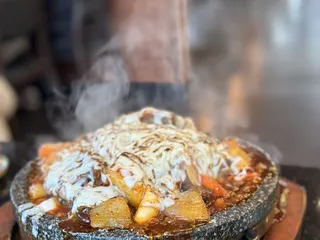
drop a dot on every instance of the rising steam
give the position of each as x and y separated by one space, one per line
94 100
217 96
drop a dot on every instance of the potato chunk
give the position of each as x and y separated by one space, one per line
148 208
134 195
189 206
113 213
193 175
36 191
49 204
235 150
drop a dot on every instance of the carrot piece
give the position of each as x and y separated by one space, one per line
231 143
213 185
251 176
47 149
220 204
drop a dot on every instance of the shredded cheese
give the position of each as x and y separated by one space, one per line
150 146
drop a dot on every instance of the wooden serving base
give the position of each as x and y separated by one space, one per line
288 229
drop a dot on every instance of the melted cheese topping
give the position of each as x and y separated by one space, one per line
151 146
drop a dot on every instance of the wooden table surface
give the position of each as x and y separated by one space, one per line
289 227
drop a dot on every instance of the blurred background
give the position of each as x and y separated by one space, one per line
239 67
254 69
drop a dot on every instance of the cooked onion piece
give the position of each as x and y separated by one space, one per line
193 175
